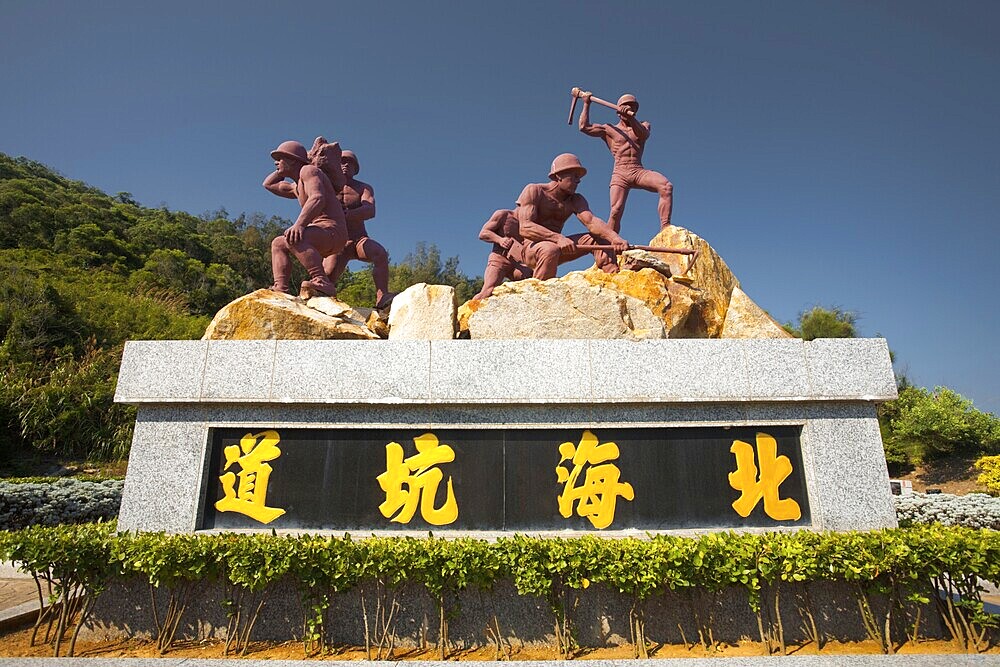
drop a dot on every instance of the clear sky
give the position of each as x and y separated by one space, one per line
837 153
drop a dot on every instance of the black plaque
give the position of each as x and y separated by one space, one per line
505 479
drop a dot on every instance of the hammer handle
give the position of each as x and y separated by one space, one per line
576 92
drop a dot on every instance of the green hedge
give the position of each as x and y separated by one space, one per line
905 566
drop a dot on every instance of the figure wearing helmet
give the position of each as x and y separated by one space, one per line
506 261
358 200
626 141
542 210
320 229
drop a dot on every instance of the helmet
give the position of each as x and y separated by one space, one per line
353 158
565 162
293 150
628 99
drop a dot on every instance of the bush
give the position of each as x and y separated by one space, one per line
976 510
926 424
990 478
67 501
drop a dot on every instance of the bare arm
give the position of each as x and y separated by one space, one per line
276 184
641 129
601 229
314 205
585 126
366 211
491 231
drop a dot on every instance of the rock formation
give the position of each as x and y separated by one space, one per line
423 312
662 298
583 304
655 295
268 315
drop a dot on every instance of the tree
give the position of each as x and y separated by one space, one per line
823 322
924 424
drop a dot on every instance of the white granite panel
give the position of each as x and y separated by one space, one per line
510 415
668 370
776 368
161 370
679 414
537 371
843 453
238 369
165 468
850 368
331 371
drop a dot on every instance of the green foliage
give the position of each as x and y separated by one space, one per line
824 323
903 566
990 477
81 272
922 424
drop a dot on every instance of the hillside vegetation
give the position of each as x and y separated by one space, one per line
81 272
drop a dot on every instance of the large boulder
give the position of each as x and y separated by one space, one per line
269 315
423 312
633 305
745 319
709 277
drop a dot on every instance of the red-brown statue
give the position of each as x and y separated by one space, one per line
358 200
506 261
626 141
542 210
320 229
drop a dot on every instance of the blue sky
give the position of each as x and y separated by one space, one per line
835 153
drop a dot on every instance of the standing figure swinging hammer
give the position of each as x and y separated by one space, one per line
626 141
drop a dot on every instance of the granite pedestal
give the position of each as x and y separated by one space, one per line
828 388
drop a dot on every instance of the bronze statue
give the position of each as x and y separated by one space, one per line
320 229
358 200
626 141
542 212
506 261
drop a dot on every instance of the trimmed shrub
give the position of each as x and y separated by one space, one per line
66 501
976 510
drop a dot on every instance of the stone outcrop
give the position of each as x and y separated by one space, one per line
655 295
423 312
745 319
268 315
633 305
709 277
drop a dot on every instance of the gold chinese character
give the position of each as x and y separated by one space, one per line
250 496
597 496
773 471
421 480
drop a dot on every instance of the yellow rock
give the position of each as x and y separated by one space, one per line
632 305
268 315
710 280
745 319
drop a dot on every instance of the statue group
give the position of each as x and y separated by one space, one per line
528 241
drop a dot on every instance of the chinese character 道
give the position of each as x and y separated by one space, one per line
249 496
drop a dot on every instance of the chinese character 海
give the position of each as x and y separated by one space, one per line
773 471
249 497
597 496
421 478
